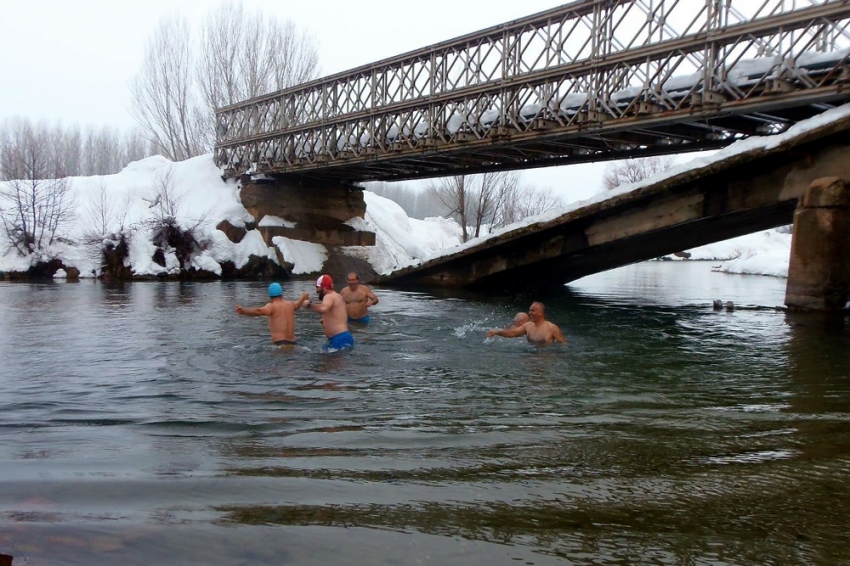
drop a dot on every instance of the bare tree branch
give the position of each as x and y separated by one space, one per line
480 200
246 55
164 99
634 170
453 193
33 207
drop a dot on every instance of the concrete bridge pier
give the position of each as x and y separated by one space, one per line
819 269
308 211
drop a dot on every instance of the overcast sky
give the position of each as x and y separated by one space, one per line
73 60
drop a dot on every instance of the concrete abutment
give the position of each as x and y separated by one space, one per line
309 211
819 267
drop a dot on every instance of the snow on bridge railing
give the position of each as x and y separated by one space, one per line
573 64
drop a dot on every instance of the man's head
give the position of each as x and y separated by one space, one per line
324 284
537 311
353 281
519 319
275 290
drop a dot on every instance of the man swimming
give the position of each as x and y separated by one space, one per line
334 315
281 315
358 298
538 330
520 318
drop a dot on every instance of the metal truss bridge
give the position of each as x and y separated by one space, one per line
588 81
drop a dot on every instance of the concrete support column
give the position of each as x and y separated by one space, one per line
819 269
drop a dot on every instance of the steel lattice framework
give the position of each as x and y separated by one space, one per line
588 81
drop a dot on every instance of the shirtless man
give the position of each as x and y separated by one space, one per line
281 314
357 299
538 330
334 315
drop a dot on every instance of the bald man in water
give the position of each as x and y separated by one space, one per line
537 330
358 298
520 318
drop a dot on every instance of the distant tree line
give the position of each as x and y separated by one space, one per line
479 203
417 202
633 170
183 79
65 151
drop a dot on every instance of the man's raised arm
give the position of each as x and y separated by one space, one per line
511 332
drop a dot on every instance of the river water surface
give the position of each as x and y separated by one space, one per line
147 423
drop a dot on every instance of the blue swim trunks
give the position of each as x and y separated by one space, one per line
341 341
364 320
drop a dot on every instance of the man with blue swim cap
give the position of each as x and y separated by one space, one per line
358 298
275 290
335 317
281 315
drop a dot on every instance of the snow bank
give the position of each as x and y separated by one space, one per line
131 201
202 199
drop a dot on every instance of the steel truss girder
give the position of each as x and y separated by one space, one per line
559 79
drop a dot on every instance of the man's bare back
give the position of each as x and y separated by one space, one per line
280 312
334 315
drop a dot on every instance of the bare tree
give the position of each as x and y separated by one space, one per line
68 151
492 195
104 219
34 208
164 98
241 56
246 55
167 200
634 170
453 193
103 215
476 200
135 147
527 201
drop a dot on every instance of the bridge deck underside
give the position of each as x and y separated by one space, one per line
549 142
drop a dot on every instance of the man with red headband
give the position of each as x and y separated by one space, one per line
334 315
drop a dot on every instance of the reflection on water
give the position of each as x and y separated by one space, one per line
147 423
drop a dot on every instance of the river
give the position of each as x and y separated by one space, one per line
147 423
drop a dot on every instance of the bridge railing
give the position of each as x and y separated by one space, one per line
578 66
